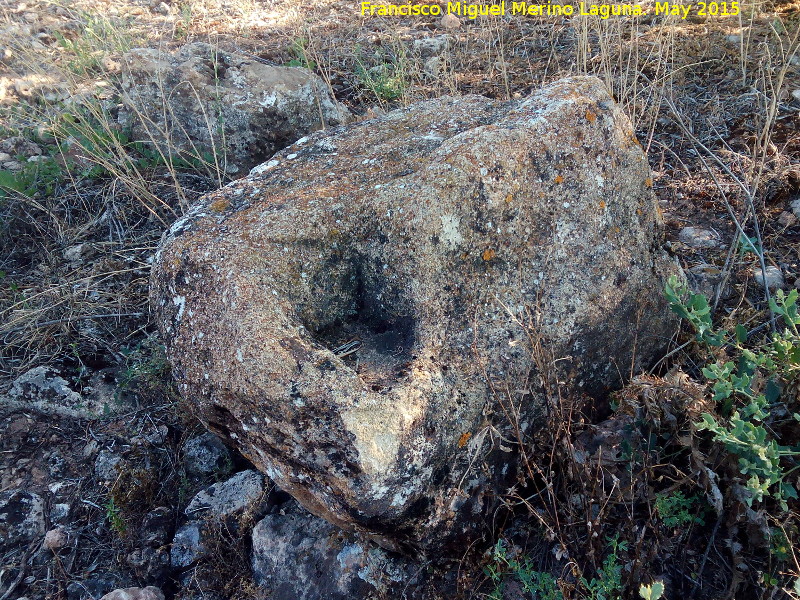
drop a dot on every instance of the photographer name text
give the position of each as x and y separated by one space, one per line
526 9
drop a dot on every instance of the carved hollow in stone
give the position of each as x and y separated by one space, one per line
370 315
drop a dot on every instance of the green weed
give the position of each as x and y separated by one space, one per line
748 388
608 583
114 517
540 585
300 55
676 510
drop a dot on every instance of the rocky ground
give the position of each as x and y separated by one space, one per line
107 481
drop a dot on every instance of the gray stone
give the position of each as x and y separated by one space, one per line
206 455
699 238
227 497
431 46
186 546
443 238
19 146
43 389
706 279
105 466
201 100
299 556
21 518
771 277
795 206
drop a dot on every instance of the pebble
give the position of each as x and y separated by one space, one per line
134 593
795 206
773 278
450 22
787 219
55 539
699 238
796 94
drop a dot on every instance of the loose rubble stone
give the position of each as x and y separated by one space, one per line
795 206
44 390
19 146
21 518
227 497
343 315
299 556
239 108
105 466
206 455
186 546
134 593
699 238
705 279
55 539
787 219
771 277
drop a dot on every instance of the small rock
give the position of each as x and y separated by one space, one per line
12 165
73 253
205 455
733 38
4 157
186 546
43 384
21 518
59 512
772 277
134 593
105 467
787 219
431 46
227 497
38 158
162 8
55 539
450 22
19 146
796 94
699 238
432 67
795 206
300 556
705 279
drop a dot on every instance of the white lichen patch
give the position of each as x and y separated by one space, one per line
450 234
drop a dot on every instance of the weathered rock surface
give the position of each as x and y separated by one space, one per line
448 238
215 503
200 100
21 518
227 497
297 556
206 455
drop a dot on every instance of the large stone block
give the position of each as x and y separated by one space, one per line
474 251
202 103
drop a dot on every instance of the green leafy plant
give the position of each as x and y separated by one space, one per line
114 517
676 509
608 583
300 55
747 389
541 585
